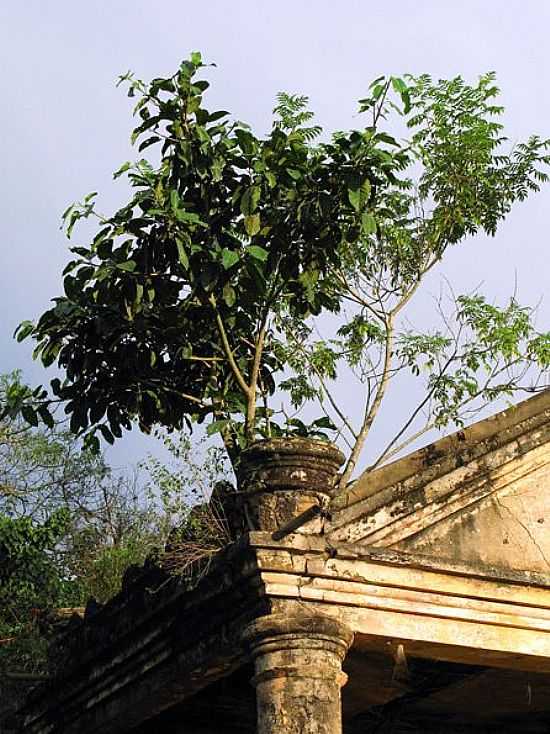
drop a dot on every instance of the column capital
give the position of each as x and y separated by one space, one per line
285 632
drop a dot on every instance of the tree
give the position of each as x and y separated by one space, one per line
195 300
461 181
43 469
69 528
178 286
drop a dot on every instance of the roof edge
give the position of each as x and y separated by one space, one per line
443 455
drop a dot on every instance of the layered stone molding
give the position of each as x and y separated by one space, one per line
299 600
298 672
481 495
435 608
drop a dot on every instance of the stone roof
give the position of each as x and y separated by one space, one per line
435 562
480 495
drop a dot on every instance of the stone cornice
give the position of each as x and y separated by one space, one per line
159 641
154 646
405 497
435 609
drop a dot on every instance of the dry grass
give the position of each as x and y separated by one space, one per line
205 533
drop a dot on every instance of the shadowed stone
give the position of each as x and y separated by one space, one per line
298 664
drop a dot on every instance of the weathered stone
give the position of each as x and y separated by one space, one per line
282 478
477 496
436 632
298 663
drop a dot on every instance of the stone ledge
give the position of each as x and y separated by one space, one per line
438 610
406 497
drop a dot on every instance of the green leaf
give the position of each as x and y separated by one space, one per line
249 200
377 90
182 254
213 116
175 201
376 81
196 58
271 179
354 196
324 422
129 266
229 295
124 167
229 258
91 443
368 223
67 211
23 330
189 218
252 224
246 140
258 252
148 142
46 416
398 84
106 433
217 426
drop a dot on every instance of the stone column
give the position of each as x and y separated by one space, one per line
298 673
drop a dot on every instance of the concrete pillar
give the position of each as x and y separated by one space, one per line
298 673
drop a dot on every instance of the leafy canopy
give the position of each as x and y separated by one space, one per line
165 313
197 299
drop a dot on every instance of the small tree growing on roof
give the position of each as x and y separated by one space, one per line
197 300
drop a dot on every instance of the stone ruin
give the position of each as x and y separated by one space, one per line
419 601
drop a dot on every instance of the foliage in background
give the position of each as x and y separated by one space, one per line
70 526
195 493
187 478
42 469
31 579
45 474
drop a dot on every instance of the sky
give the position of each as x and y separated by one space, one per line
65 127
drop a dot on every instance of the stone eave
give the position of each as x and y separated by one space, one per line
402 498
435 609
156 643
152 648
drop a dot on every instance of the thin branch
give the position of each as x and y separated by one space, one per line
229 352
334 404
328 394
251 406
371 413
412 417
388 454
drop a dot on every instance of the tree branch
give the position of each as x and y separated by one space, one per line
251 404
229 352
371 413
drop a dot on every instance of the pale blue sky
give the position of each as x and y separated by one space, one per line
65 127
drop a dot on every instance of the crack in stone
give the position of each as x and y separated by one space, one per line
525 527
